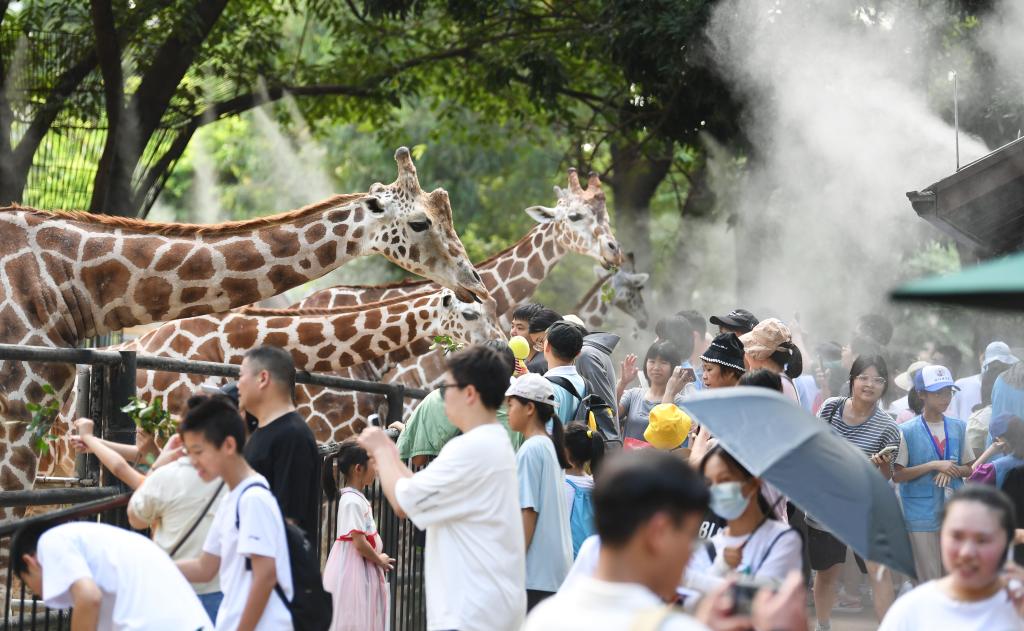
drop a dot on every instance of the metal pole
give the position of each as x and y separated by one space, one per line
956 118
82 399
396 399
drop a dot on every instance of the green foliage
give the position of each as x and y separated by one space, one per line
446 343
43 415
151 417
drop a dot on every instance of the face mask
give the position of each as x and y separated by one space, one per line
727 500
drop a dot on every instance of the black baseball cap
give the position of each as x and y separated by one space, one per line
738 319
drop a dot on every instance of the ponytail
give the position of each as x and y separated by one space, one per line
789 355
584 445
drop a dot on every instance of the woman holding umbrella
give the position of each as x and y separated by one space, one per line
860 420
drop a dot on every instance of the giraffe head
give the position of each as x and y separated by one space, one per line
414 229
627 293
581 218
469 323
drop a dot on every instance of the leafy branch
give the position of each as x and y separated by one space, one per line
151 418
445 342
43 416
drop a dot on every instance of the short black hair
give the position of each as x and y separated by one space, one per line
676 329
216 418
501 347
566 340
525 312
277 362
696 320
863 362
636 485
26 541
543 319
993 499
875 326
762 378
483 368
662 349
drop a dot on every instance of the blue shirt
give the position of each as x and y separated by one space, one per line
541 487
566 403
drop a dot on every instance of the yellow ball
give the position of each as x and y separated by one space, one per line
520 347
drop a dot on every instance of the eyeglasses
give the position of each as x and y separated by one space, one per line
878 381
444 386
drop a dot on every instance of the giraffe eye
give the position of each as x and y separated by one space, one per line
419 226
575 216
470 315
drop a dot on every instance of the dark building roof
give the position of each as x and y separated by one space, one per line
982 204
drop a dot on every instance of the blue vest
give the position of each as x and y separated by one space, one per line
922 500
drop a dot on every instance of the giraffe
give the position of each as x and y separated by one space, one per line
577 223
319 340
68 276
626 295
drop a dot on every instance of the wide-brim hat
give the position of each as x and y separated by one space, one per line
739 319
726 350
998 352
668 426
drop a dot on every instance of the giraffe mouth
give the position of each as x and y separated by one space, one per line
466 294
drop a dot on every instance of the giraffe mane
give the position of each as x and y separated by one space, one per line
188 229
292 312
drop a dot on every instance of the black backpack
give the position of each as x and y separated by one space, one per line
592 410
312 606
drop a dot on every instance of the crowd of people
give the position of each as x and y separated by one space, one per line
564 492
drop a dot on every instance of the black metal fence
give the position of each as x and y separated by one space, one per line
106 382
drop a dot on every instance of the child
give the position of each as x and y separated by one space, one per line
354 573
930 461
584 450
540 463
246 545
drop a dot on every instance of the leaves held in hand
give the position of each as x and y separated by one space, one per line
40 426
151 417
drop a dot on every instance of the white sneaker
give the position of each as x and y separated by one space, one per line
904 588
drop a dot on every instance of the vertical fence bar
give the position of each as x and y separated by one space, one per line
83 469
396 401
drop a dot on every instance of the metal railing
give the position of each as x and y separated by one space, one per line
106 382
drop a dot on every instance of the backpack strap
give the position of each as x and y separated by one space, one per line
771 545
567 385
248 562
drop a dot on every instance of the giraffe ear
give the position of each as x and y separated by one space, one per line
542 214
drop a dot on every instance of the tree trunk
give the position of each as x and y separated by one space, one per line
636 177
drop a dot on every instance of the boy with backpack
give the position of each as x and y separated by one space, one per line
574 396
249 545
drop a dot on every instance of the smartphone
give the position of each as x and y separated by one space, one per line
891 449
742 599
689 376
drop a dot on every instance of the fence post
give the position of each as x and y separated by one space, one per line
86 465
120 426
396 401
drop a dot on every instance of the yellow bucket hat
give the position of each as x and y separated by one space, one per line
668 426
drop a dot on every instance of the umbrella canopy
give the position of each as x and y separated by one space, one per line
814 467
997 284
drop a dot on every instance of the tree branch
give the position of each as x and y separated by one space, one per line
109 53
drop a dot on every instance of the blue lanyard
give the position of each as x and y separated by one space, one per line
944 454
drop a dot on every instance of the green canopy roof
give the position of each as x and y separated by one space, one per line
997 284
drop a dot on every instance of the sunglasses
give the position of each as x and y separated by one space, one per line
444 386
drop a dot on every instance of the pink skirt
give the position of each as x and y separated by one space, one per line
358 588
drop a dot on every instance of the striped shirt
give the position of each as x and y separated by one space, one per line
871 436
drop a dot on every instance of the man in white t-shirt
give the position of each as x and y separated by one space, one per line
112 578
648 506
467 499
246 544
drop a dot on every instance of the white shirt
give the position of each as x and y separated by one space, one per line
260 532
928 607
963 402
771 552
142 589
898 407
590 604
172 497
467 499
585 565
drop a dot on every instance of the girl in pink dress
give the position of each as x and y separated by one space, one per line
354 574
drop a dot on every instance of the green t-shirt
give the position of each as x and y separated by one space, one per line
429 429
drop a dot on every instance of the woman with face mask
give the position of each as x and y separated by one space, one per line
977 593
753 544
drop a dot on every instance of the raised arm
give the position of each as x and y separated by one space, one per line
390 468
110 458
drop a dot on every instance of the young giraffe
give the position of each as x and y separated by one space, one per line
65 277
578 223
626 296
319 340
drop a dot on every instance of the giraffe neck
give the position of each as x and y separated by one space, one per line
592 308
94 275
514 275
